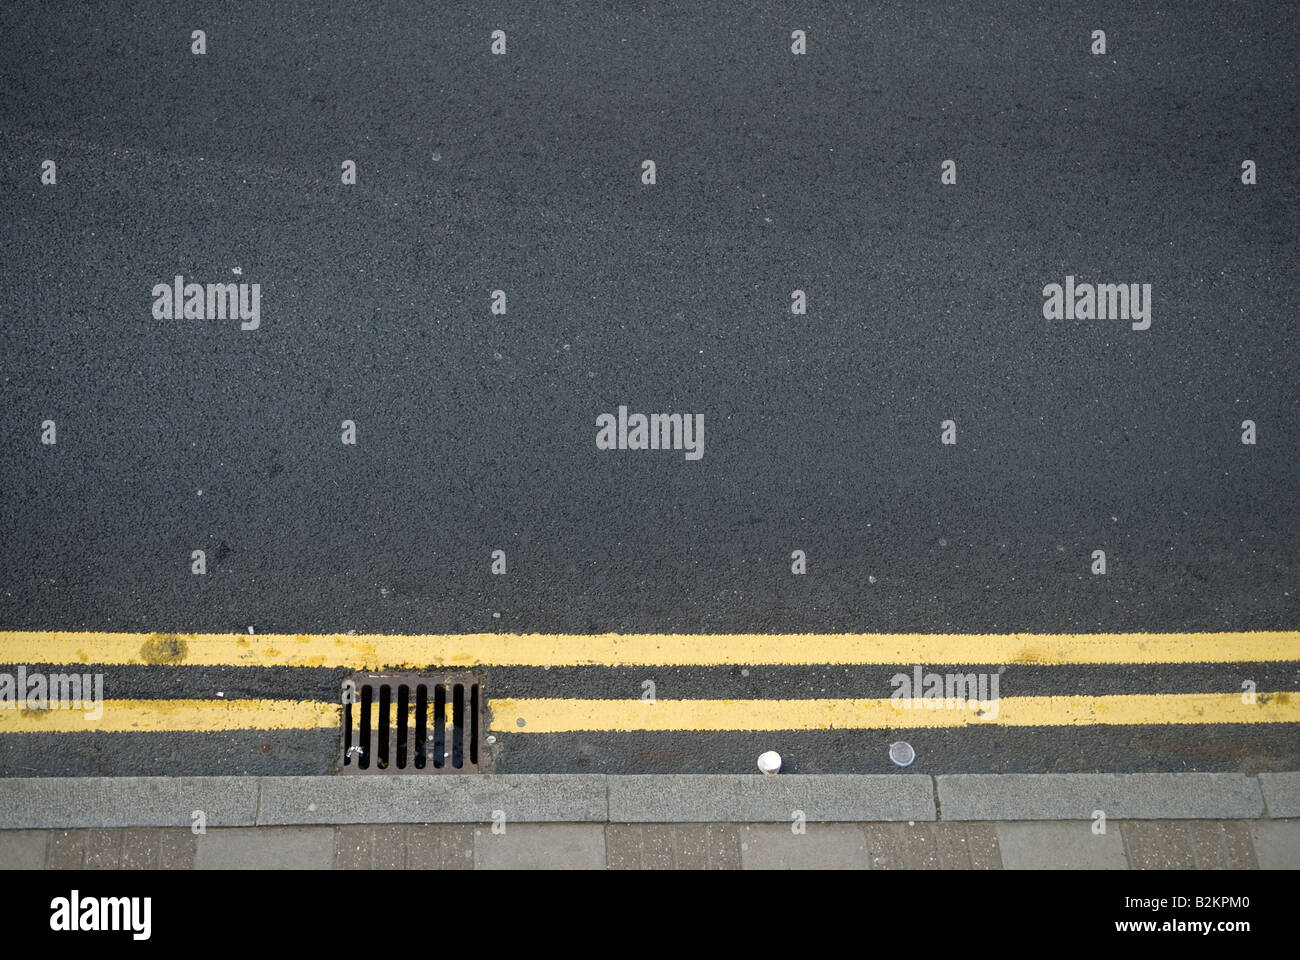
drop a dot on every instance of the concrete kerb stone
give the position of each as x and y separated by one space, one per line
77 802
522 798
1281 794
667 798
1120 796
89 802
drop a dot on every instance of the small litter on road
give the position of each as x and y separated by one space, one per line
902 753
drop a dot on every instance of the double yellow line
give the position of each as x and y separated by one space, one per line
374 651
67 652
566 716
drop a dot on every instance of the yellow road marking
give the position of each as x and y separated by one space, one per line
463 650
174 716
562 716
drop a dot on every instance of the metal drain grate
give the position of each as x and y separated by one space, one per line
411 724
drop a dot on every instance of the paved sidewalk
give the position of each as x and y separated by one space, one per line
965 845
1073 821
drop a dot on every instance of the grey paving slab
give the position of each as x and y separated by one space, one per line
23 849
1063 845
1135 796
1281 794
266 848
1277 844
820 846
541 846
432 799
126 801
742 798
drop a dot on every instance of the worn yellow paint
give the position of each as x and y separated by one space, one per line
170 716
563 716
373 651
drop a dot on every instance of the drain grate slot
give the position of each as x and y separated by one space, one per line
421 724
363 761
411 724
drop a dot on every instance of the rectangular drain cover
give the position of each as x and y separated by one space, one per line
406 723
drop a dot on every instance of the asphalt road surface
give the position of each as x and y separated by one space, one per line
476 430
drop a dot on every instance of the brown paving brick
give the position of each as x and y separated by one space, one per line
352 847
691 846
440 846
177 847
103 849
140 848
68 849
679 846
932 846
723 845
920 847
657 847
388 847
965 846
952 846
1158 844
1239 849
623 846
885 845
1182 843
982 845
1209 851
